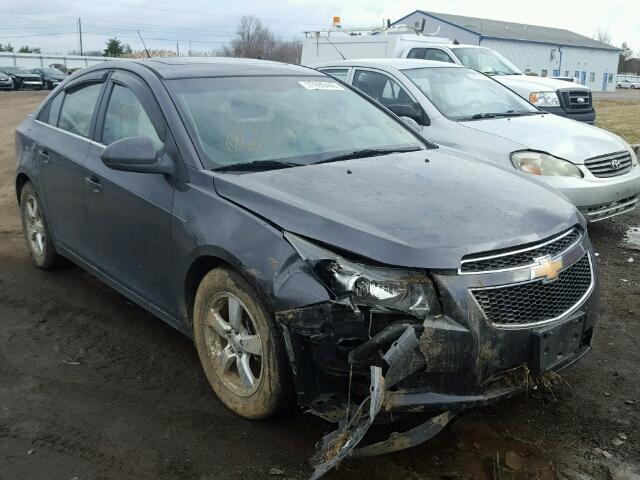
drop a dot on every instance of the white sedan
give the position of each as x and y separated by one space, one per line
463 109
628 84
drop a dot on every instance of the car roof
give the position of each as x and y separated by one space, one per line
194 67
397 63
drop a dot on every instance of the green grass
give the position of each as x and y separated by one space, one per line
621 117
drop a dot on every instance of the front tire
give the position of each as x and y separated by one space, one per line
240 346
36 230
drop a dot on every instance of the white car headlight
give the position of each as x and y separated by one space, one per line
544 99
382 289
538 163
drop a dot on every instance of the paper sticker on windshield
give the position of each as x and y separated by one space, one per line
315 85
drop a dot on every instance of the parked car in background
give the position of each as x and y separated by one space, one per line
628 84
300 232
22 78
6 82
50 77
460 108
552 95
60 66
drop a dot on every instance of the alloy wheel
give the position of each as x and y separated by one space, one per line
35 226
233 344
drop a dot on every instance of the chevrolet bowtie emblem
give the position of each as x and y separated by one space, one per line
547 269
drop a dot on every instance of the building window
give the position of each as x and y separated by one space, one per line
527 70
576 74
566 73
592 77
543 73
611 78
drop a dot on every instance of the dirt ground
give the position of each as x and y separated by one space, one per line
93 387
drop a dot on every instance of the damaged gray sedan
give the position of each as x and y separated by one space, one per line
313 245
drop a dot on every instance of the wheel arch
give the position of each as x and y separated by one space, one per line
21 180
199 267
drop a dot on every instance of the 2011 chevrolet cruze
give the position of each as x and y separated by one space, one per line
302 234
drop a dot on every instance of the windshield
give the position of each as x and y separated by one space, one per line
13 70
300 120
462 93
486 61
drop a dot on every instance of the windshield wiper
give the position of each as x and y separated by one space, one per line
509 113
257 165
368 152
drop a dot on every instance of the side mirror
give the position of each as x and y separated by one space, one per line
411 123
412 111
136 154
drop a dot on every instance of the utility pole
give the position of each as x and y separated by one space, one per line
80 34
189 47
177 49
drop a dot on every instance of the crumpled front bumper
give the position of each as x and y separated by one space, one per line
461 361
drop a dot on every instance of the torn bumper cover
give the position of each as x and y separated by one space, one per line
342 442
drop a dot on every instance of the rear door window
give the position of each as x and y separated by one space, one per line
78 107
416 53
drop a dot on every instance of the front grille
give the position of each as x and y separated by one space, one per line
522 256
576 100
537 301
609 165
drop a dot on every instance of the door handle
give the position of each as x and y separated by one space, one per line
94 183
43 153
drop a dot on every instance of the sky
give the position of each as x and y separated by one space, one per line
208 25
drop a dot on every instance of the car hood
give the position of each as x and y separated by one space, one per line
536 84
561 137
402 210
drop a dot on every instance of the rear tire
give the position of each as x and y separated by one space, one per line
36 230
240 346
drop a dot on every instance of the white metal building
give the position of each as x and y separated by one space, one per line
543 51
40 60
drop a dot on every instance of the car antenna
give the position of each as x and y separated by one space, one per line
145 47
337 50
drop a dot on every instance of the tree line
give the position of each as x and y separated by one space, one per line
24 49
252 40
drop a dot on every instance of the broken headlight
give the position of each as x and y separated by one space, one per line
382 289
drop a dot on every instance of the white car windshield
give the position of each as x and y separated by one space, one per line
486 61
301 120
464 94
